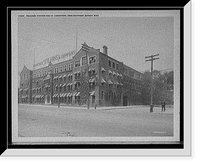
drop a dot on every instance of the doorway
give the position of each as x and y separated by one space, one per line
48 99
125 100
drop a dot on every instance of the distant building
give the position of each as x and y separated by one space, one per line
64 80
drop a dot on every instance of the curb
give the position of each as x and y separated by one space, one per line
104 108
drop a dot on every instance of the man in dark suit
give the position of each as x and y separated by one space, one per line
163 106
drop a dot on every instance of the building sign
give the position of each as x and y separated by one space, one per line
55 59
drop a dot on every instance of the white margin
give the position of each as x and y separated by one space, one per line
122 152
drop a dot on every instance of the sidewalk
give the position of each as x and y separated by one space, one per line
136 108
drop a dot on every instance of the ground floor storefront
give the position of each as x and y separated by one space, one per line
96 98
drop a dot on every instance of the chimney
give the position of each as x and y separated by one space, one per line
105 50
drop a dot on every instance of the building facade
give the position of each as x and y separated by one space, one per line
89 77
25 87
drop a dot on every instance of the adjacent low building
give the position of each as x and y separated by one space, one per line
87 76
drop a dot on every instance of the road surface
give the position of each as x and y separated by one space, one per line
51 121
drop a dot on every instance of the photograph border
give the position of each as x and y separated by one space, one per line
179 145
103 140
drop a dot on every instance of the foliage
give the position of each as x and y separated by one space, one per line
163 84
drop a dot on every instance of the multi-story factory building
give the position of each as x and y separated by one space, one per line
78 78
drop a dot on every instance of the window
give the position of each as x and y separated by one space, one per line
70 66
60 78
92 60
77 63
64 88
102 95
117 66
56 70
65 67
91 72
84 61
113 65
69 77
76 86
77 75
109 63
61 69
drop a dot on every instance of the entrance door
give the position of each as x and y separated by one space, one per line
48 99
125 100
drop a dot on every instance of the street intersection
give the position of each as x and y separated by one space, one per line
129 121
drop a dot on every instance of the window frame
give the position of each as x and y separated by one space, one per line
102 95
77 63
117 66
70 66
65 68
85 59
92 61
113 65
109 63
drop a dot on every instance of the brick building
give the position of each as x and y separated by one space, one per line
105 80
25 87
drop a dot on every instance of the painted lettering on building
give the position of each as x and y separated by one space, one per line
55 59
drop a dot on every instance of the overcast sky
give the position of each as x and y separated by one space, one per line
129 39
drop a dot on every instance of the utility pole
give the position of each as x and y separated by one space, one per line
151 58
85 48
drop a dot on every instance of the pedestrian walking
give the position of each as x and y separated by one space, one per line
163 106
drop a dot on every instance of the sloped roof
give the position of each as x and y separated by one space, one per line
25 69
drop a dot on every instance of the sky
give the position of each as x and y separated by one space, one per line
129 39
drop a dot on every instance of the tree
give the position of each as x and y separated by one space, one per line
162 87
145 92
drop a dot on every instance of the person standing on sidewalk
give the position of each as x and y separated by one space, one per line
163 106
